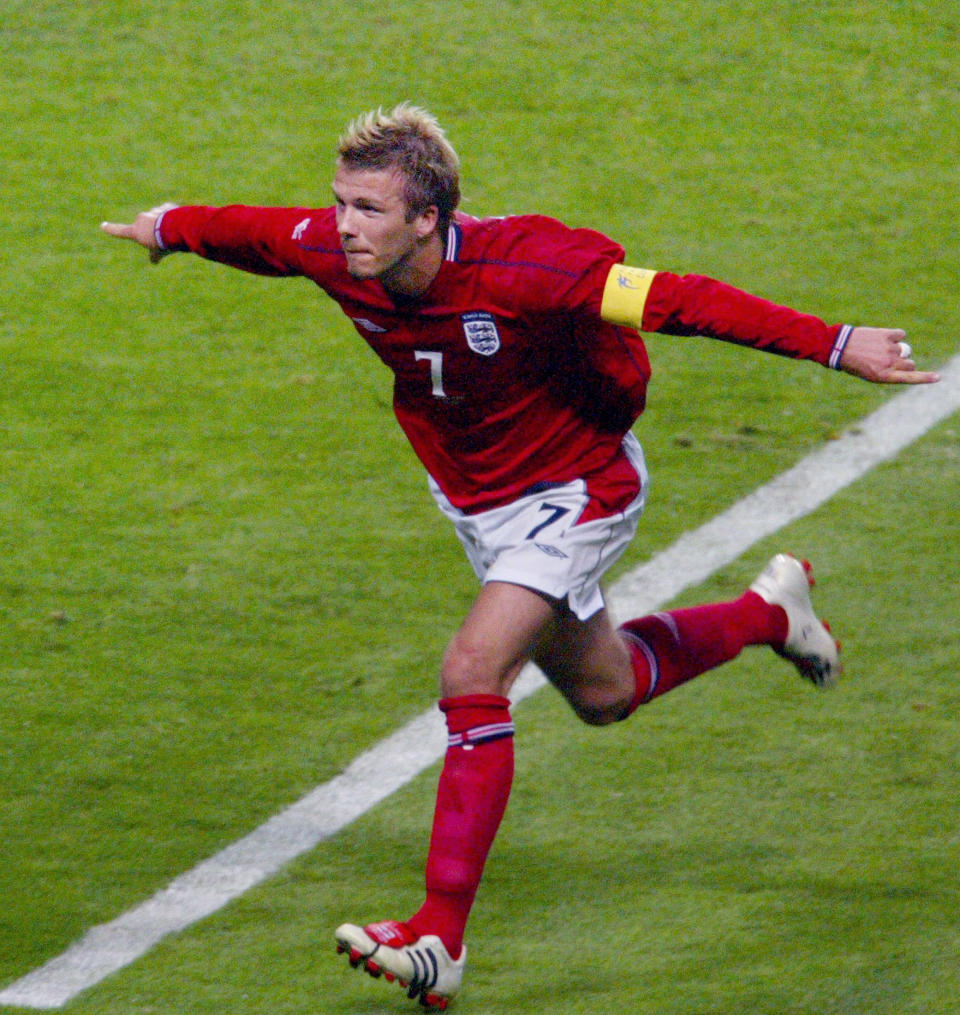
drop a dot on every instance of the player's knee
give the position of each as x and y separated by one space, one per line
468 669
597 708
594 716
597 699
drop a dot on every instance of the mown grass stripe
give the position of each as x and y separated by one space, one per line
377 773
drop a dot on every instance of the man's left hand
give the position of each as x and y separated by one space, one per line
883 355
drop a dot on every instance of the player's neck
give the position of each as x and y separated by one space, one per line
412 277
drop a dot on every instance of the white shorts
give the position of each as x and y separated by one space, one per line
536 542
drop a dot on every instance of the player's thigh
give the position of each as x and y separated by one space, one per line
497 636
586 659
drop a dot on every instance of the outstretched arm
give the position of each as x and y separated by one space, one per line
142 230
265 241
697 305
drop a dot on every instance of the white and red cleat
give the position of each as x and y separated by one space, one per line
786 582
421 965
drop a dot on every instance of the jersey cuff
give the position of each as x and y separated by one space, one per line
157 235
625 295
840 343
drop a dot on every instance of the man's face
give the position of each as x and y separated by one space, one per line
372 221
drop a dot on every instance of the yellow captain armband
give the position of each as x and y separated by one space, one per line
625 295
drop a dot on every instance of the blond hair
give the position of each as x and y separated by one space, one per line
409 140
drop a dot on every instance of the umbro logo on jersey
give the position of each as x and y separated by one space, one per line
367 325
481 331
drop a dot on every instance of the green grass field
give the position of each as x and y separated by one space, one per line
222 576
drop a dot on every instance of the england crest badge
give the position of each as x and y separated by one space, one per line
481 331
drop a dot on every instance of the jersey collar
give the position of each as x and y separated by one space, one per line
454 241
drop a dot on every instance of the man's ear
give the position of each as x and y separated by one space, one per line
426 221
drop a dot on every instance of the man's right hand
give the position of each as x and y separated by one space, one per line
142 230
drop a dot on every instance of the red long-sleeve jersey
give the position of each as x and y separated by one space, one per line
506 377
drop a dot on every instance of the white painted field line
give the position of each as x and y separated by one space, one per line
392 763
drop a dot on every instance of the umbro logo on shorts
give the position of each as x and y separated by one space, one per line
550 551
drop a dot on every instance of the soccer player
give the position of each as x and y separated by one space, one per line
518 373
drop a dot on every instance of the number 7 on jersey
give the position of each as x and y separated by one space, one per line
435 359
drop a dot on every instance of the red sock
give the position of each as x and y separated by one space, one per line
669 649
471 799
